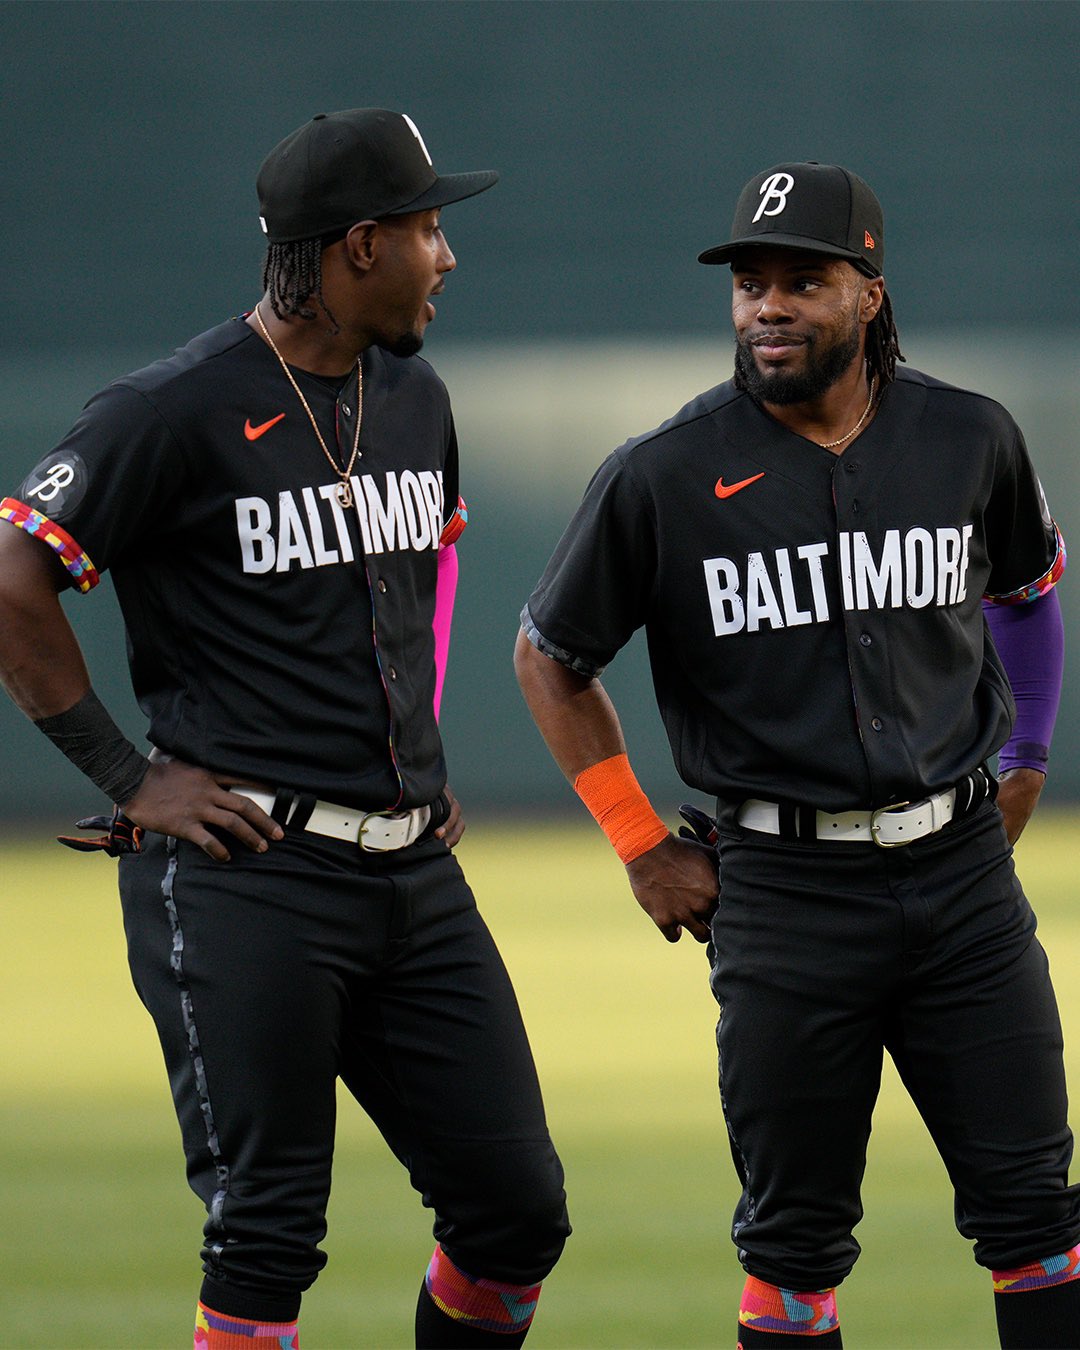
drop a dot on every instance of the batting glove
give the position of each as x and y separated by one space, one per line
702 827
122 835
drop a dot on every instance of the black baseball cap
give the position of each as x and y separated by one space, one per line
820 208
355 165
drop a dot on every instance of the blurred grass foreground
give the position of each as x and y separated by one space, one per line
101 1235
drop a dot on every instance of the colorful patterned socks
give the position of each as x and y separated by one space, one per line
770 1316
1038 1305
459 1310
215 1331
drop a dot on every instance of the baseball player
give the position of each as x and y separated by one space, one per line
807 547
277 504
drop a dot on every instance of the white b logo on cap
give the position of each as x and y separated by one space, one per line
412 127
777 186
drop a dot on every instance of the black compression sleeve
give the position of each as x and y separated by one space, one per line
96 745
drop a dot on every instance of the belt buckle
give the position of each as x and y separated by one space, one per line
882 811
368 815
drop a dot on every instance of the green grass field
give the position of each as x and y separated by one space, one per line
100 1234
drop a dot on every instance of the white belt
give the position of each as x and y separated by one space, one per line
373 831
888 826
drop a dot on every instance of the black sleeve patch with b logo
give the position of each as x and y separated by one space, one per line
56 486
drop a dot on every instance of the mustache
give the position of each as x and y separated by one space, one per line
771 335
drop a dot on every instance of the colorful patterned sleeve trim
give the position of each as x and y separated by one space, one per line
1046 582
455 526
83 572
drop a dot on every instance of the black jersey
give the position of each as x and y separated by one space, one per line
814 621
272 633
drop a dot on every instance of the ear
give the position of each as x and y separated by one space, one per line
360 244
873 292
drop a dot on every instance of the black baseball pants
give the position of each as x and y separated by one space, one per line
271 976
824 954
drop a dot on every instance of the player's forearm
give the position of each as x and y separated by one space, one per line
579 723
1030 641
572 712
1018 795
42 668
41 663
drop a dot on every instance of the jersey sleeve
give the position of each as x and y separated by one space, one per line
107 487
1027 551
597 587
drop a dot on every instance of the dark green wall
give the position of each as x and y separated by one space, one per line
623 131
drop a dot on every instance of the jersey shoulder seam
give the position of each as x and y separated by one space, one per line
145 389
935 386
166 370
704 405
697 410
144 397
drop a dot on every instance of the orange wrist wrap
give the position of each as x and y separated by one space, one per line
614 796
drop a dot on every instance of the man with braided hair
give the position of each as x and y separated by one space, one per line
807 547
277 503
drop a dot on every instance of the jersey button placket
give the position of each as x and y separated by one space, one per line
860 656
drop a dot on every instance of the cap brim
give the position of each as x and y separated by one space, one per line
450 187
723 253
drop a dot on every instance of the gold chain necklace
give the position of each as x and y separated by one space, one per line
344 488
831 445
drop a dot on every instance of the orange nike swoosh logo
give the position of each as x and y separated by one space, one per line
253 433
722 491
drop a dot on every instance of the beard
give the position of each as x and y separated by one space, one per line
824 366
407 344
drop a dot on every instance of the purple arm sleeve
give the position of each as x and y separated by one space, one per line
1031 643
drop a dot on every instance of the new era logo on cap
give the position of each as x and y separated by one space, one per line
820 208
